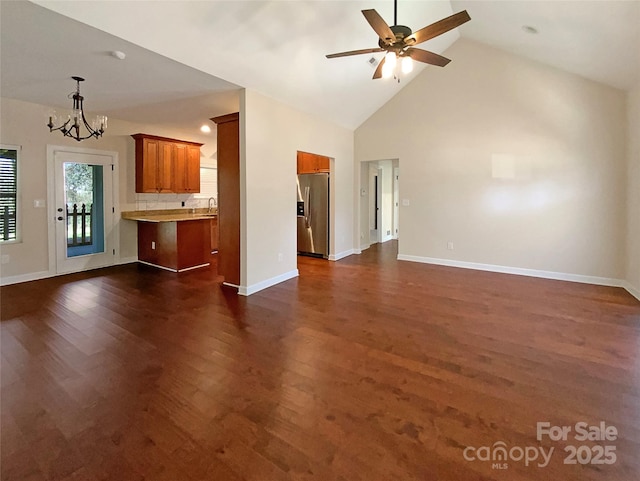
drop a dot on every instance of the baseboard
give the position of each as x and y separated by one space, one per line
158 266
36 276
559 276
341 255
194 267
32 276
252 289
634 291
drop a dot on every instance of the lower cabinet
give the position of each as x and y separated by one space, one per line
177 245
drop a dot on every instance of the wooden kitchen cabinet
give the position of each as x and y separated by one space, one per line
186 168
229 197
175 246
166 165
149 168
312 163
192 174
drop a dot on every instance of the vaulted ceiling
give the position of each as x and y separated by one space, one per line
178 52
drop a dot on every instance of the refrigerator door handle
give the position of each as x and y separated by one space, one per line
307 207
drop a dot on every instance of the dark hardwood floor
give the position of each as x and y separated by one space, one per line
364 369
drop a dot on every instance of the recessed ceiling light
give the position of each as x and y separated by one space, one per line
118 54
530 29
205 129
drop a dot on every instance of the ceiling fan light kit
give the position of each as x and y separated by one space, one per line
70 125
399 40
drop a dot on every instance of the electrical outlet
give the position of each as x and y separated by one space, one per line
450 245
153 245
388 232
280 257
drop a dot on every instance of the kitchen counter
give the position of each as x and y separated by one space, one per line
177 240
169 215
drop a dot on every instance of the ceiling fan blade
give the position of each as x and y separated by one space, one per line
438 28
355 52
378 72
380 26
427 57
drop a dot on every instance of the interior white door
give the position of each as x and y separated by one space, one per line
84 211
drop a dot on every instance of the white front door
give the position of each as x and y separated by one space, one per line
84 210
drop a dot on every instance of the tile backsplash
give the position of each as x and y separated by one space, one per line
169 201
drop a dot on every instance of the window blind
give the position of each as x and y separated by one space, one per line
8 194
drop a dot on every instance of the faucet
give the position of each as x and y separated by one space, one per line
215 203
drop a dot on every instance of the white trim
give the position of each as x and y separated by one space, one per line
634 291
156 265
561 276
341 255
357 251
36 276
247 291
32 276
194 267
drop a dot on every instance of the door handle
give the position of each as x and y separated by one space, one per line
59 209
60 218
307 206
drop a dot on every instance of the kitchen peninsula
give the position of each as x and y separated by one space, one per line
177 240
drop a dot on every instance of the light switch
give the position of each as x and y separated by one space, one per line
405 202
38 203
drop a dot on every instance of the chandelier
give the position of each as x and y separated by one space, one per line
70 125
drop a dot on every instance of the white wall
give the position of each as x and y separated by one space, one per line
633 192
273 133
23 123
564 209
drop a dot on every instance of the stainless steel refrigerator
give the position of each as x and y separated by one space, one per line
313 214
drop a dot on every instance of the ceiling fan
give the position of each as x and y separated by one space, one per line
398 41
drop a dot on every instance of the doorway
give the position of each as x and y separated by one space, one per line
375 202
379 201
83 202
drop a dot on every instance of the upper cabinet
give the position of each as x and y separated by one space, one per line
312 163
186 168
166 165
